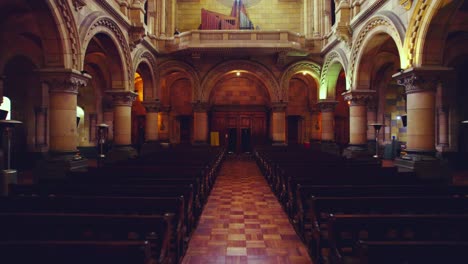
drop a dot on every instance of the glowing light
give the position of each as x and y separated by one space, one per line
6 105
238 73
304 73
398 117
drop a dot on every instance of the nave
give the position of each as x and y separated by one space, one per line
243 221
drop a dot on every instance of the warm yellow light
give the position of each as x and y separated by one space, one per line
304 73
238 73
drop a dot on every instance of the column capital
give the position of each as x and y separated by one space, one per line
327 105
279 106
152 106
359 97
64 80
200 106
122 97
416 80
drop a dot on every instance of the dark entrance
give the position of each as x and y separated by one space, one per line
245 140
232 140
293 130
185 124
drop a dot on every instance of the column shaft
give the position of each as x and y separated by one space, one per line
200 127
357 124
151 126
420 126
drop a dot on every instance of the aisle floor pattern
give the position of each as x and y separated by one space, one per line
243 222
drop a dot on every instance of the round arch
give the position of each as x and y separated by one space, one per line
308 67
146 58
377 26
335 61
262 73
176 66
96 23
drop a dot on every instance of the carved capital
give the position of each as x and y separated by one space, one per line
121 97
359 97
64 80
279 106
344 33
416 80
327 105
152 106
200 106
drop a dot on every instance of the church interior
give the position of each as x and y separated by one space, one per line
234 131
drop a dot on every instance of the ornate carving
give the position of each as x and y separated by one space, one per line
359 97
78 4
413 29
152 106
112 26
344 33
121 97
323 78
406 4
72 30
416 80
64 80
279 106
136 33
327 105
200 106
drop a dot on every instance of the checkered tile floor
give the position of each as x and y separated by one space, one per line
243 222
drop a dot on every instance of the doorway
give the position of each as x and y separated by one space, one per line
232 139
293 130
245 140
185 124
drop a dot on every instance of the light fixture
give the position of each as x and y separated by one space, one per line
464 122
304 73
238 73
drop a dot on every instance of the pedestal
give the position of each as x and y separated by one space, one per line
424 166
59 166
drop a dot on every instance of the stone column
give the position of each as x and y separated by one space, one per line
63 155
152 112
327 108
122 102
278 123
371 118
163 132
316 133
200 123
443 140
40 128
357 121
420 87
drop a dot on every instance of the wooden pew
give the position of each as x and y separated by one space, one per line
156 229
105 205
345 230
77 252
411 252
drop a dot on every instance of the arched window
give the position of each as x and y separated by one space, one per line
6 106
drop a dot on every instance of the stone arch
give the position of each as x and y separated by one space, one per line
302 66
97 23
335 61
146 57
380 24
424 42
259 70
177 66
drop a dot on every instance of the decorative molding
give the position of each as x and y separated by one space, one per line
416 80
136 35
368 12
64 80
406 4
200 106
279 107
413 31
359 97
327 105
152 106
116 14
121 97
330 57
78 4
73 36
344 33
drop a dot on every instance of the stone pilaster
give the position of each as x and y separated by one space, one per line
278 123
327 109
420 87
443 138
200 121
163 132
63 85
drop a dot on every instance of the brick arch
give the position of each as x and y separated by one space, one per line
146 57
257 69
99 23
301 66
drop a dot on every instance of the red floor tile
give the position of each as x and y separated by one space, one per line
244 223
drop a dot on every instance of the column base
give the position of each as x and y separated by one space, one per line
57 166
356 151
330 147
425 167
120 153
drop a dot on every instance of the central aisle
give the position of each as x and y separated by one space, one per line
243 222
